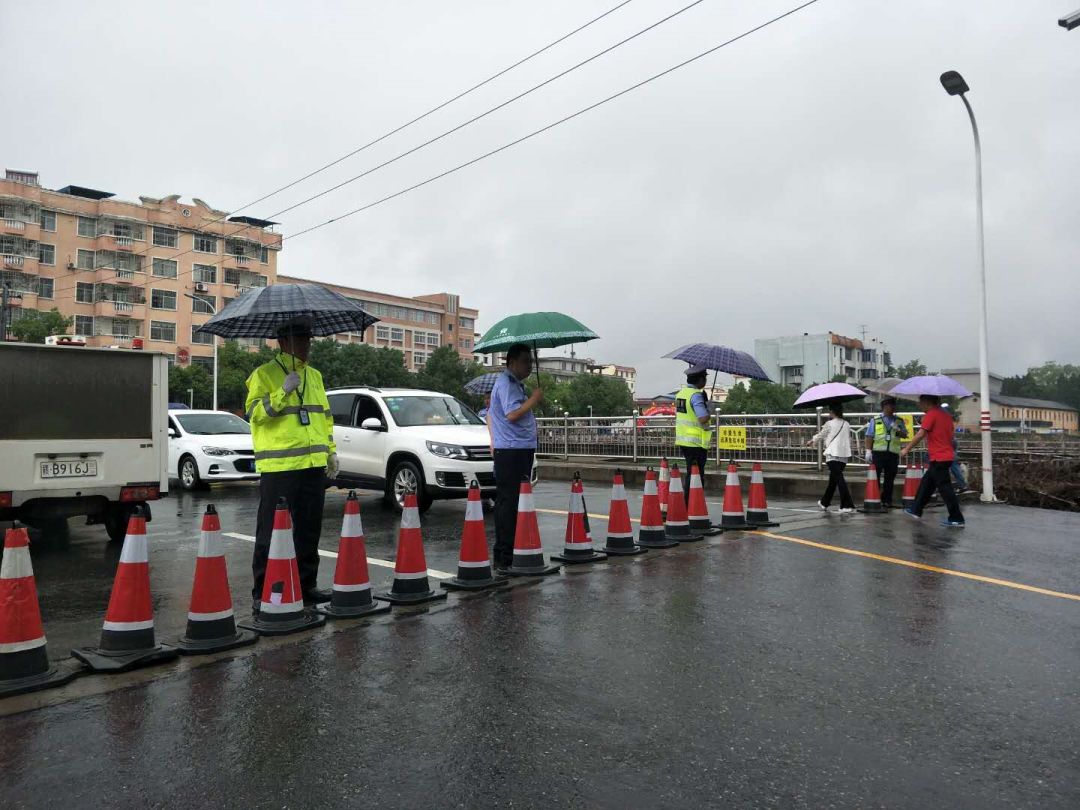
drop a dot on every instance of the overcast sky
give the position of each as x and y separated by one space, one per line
811 177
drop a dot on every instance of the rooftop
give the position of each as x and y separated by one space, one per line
948 371
1025 402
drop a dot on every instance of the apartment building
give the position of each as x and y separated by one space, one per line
415 326
628 374
804 360
130 274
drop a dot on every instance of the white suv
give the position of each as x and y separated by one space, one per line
394 440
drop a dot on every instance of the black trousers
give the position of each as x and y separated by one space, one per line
693 455
837 482
305 492
887 464
937 477
511 466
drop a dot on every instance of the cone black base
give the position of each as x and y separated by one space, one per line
205 646
457 584
588 557
659 542
741 524
410 598
107 661
309 620
55 676
683 538
763 524
629 551
332 611
533 571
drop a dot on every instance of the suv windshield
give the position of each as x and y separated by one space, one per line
413 411
212 424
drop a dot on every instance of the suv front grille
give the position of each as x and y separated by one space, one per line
481 453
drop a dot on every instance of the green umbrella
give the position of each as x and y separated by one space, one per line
537 329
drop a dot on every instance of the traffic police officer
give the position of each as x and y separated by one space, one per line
693 431
293 435
884 437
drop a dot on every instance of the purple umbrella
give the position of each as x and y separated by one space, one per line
720 358
828 392
935 385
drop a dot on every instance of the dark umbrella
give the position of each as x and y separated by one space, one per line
484 384
720 358
263 311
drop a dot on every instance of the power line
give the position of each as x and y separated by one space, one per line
552 125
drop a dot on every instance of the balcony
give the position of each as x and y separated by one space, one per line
17 262
109 308
106 275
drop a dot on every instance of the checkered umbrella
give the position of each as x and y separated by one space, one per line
484 384
720 358
261 312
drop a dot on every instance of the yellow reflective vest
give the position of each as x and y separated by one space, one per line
282 442
689 432
885 440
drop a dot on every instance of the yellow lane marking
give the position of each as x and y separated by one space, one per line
1005 583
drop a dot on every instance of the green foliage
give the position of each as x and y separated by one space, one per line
839 378
608 396
34 326
181 378
760 397
912 368
1053 381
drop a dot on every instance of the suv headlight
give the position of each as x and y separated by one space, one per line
218 451
447 450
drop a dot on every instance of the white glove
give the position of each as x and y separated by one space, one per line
869 456
332 466
292 382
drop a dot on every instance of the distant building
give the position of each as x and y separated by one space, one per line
1011 414
565 368
628 374
804 360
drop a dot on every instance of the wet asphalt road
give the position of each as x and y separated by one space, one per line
746 671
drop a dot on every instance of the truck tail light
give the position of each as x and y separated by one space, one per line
5 500
140 492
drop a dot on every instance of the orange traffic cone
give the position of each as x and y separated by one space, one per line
663 487
677 523
872 500
733 517
578 547
211 623
912 479
24 661
350 597
697 511
410 567
474 564
281 608
127 636
528 558
620 534
757 510
651 532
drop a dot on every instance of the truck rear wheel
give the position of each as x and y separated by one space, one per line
116 521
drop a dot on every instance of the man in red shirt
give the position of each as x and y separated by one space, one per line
937 430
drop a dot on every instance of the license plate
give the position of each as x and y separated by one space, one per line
82 468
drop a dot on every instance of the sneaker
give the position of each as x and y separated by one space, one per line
911 514
847 510
822 507
953 524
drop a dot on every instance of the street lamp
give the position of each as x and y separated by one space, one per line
213 311
1070 21
955 85
590 414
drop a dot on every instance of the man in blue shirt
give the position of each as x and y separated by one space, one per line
513 437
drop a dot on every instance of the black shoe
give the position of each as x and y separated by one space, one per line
255 607
317 596
501 567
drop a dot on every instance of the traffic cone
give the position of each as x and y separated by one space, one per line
620 534
733 516
474 564
677 524
578 547
211 623
528 560
127 636
663 487
651 532
697 511
281 608
24 661
410 566
872 499
912 479
350 597
757 510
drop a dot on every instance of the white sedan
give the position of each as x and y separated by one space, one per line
208 446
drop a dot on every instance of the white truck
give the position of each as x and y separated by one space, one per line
83 432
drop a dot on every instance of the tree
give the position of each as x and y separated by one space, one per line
235 365
34 326
608 396
444 372
760 397
1053 381
197 378
910 369
839 378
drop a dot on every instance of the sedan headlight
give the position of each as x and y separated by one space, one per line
218 451
447 450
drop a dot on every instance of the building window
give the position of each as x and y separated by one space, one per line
202 338
205 244
226 301
397 334
382 333
466 323
204 273
165 237
84 325
84 293
164 268
164 331
84 259
162 299
205 362
87 227
45 287
171 358
47 220
205 304
257 281
46 253
264 255
419 359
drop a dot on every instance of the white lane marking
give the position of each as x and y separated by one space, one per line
333 556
